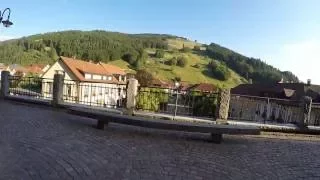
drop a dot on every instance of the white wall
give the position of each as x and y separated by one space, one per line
58 66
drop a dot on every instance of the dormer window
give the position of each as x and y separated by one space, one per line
109 78
96 77
88 76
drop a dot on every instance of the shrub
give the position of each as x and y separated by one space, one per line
130 58
159 54
182 61
144 77
197 48
151 99
219 71
172 61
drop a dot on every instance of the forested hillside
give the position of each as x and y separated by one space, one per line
215 62
93 45
250 68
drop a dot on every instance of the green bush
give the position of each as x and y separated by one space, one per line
151 99
159 54
172 61
219 70
197 48
144 77
182 61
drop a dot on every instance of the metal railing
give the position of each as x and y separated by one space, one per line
94 94
315 114
270 110
175 102
30 87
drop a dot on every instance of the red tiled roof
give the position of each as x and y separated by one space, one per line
35 68
160 83
113 69
204 87
79 67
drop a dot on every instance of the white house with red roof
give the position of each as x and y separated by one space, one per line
87 83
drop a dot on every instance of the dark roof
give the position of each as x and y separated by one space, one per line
294 91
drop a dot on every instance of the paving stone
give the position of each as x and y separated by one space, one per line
42 143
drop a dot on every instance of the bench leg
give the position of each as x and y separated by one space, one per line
100 125
216 138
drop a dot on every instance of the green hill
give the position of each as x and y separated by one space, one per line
196 62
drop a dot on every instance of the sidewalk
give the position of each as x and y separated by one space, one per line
274 127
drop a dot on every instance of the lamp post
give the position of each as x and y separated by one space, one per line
176 84
7 22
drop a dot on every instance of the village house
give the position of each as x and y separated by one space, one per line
290 91
37 69
87 83
203 87
17 70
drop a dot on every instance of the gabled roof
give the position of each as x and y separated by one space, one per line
35 68
17 68
79 68
294 91
159 83
204 87
112 69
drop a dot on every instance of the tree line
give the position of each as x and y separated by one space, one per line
249 68
87 45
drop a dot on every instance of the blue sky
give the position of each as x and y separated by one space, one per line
284 33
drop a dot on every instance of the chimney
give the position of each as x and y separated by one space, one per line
309 82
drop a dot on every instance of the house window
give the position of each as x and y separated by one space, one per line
69 90
86 91
50 88
88 76
93 93
96 77
59 72
100 91
107 91
119 91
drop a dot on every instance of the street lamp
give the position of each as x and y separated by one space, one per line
6 23
177 85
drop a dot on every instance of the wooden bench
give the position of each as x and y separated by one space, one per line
216 130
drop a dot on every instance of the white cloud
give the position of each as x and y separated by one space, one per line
302 58
3 38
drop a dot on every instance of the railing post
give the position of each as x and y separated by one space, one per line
57 93
268 110
307 103
223 106
4 84
132 91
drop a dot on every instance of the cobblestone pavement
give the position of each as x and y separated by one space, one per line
42 143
